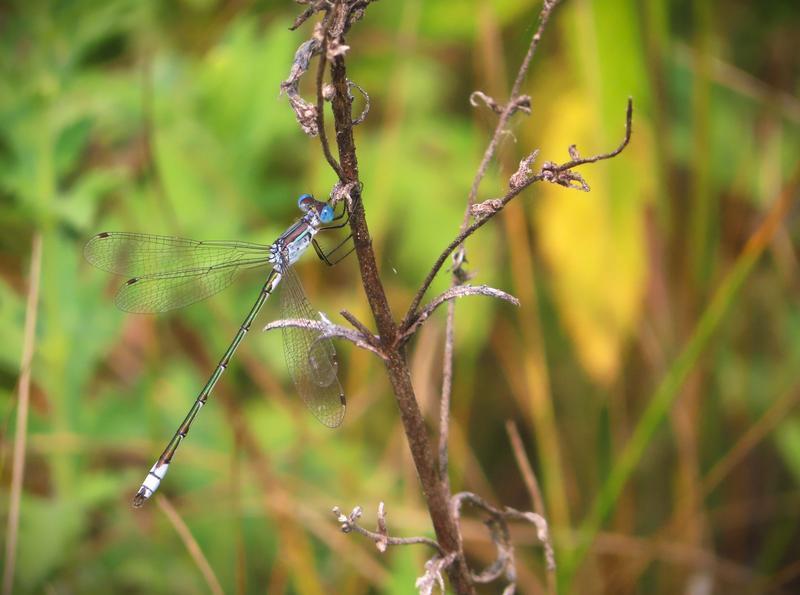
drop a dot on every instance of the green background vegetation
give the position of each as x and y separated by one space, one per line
166 117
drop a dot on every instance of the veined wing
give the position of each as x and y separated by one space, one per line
310 358
167 291
143 255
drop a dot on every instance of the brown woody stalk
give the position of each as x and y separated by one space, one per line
389 343
436 494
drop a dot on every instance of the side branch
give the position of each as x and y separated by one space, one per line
550 172
381 537
328 330
451 294
323 136
498 525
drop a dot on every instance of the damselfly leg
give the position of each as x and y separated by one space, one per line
328 257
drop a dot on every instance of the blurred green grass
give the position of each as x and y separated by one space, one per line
145 116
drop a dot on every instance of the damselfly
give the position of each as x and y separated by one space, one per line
168 273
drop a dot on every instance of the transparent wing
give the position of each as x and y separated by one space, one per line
142 255
159 293
311 359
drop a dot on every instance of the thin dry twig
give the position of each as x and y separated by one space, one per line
357 324
323 136
314 6
521 103
328 330
433 574
532 485
515 103
305 112
525 468
349 523
190 543
365 111
498 518
451 294
21 429
447 392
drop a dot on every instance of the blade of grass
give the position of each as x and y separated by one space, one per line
191 544
749 440
670 386
21 431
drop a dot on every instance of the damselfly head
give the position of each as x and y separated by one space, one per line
305 202
323 210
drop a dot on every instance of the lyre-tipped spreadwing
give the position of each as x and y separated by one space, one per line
168 273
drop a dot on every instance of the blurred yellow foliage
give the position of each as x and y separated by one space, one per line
593 244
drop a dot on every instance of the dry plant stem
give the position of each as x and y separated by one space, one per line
447 390
434 490
20 439
323 136
381 537
532 485
190 543
525 468
498 525
488 155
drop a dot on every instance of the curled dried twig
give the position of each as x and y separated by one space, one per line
578 160
349 523
363 115
453 293
305 112
498 527
322 91
328 330
523 172
433 574
314 6
520 103
551 172
489 101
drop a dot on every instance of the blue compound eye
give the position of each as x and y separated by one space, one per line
326 214
304 202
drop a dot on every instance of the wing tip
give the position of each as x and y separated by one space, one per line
334 421
88 249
